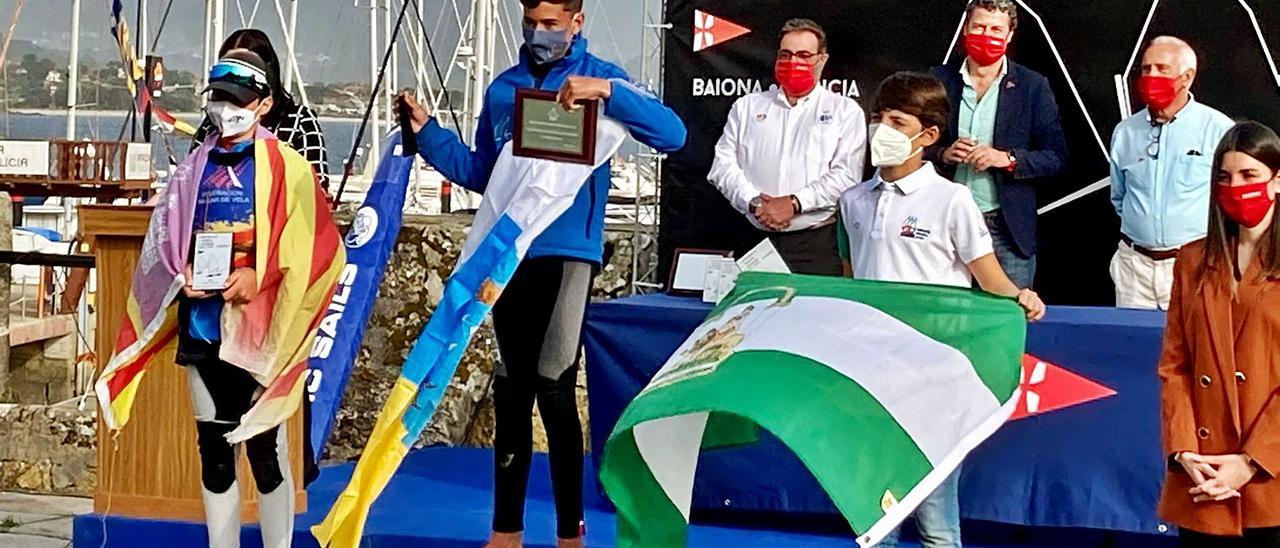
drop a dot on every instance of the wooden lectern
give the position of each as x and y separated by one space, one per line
152 468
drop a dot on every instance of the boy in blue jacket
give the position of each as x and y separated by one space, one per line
538 319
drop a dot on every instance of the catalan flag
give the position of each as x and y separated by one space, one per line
523 198
299 257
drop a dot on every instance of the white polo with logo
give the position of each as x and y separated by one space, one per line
922 228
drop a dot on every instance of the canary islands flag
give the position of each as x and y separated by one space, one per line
523 198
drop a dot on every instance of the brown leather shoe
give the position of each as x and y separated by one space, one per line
505 540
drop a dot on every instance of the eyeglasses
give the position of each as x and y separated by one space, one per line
787 55
1153 149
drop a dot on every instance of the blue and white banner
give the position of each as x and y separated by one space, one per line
370 242
523 198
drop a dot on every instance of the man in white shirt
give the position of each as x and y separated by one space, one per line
787 154
1161 173
909 224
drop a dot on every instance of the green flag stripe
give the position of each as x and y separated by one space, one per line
772 389
991 331
645 516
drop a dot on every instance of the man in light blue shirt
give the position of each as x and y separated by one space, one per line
1005 138
1161 172
978 125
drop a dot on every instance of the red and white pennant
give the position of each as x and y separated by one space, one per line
709 30
1047 387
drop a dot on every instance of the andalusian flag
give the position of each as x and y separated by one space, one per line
880 389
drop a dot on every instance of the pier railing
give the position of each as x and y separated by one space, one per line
103 169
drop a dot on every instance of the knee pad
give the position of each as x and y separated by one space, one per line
217 458
264 461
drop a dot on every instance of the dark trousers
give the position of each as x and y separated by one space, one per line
810 251
1253 538
538 324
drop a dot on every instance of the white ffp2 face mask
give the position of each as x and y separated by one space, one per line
231 120
890 147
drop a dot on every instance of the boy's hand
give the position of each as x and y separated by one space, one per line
1030 302
242 286
418 113
582 89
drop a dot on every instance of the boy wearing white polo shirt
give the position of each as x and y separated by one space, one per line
909 224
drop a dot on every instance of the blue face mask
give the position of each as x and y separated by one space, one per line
546 46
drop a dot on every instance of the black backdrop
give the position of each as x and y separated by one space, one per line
870 39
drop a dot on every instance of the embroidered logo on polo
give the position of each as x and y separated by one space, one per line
1047 387
826 118
911 231
709 30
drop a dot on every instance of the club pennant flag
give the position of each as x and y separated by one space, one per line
369 244
1047 387
881 389
523 198
709 30
298 256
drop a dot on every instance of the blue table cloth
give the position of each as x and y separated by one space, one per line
1095 465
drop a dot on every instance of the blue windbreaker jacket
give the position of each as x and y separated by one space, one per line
579 232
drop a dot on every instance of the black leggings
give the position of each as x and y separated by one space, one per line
1253 538
538 324
221 394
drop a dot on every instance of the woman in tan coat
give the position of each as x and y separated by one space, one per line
1220 366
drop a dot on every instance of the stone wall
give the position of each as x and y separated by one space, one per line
426 251
48 449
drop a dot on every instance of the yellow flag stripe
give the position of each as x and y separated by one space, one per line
381 457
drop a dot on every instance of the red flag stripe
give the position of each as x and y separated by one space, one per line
327 239
125 375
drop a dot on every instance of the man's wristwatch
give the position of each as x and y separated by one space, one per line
755 204
1013 162
795 205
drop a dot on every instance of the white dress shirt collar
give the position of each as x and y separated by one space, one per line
782 97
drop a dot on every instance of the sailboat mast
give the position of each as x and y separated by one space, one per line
483 28
291 37
73 70
376 137
144 46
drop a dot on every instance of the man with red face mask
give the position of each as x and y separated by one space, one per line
787 154
1005 135
1161 173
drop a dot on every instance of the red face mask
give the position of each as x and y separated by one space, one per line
986 50
1157 92
1247 205
796 77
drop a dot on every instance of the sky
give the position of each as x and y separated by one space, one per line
333 37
